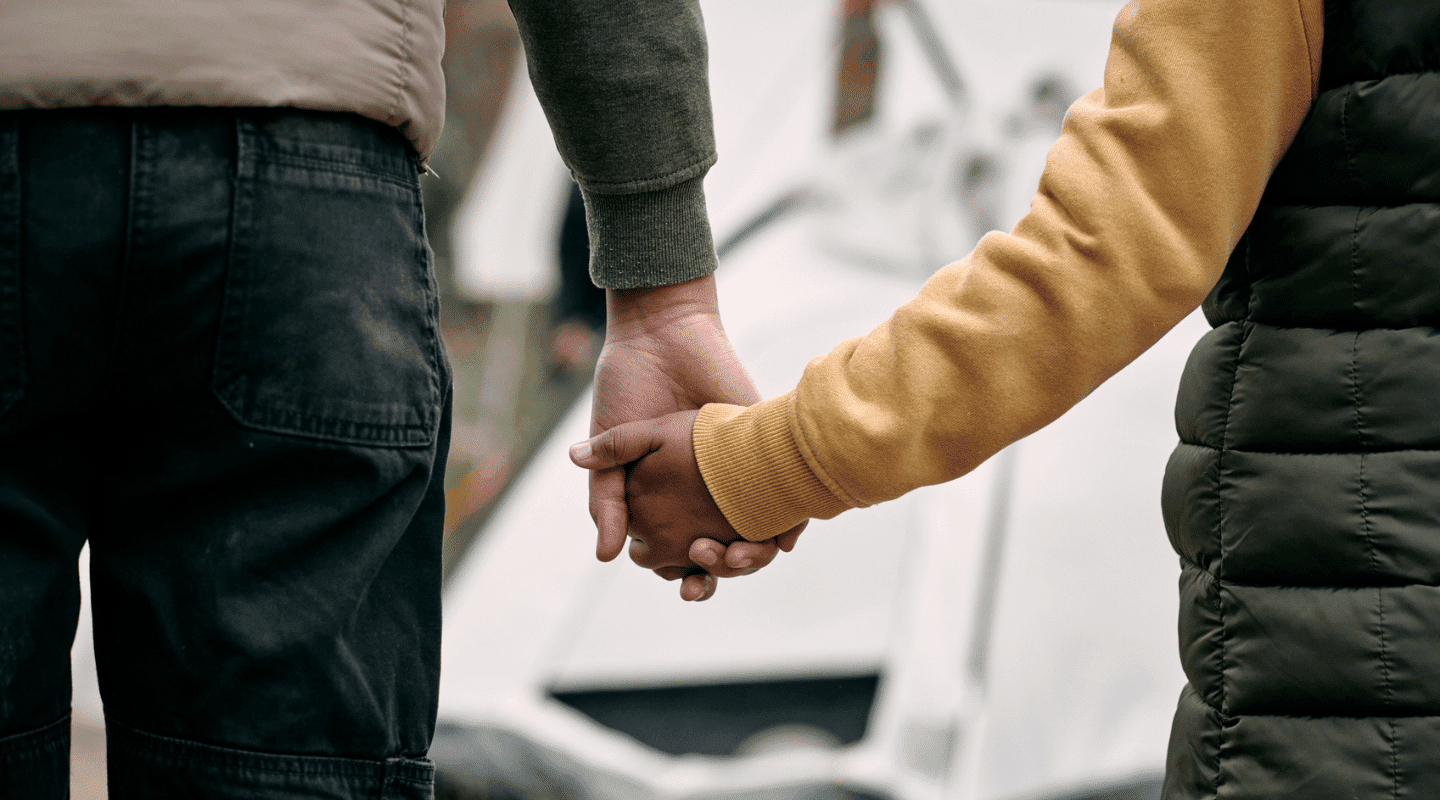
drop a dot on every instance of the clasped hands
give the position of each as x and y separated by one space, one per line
665 355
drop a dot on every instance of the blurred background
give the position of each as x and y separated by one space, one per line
1009 636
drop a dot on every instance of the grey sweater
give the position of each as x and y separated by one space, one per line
624 86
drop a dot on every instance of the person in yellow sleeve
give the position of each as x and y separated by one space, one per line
1278 160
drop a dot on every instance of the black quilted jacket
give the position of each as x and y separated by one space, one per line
1304 498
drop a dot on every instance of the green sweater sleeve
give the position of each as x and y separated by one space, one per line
624 86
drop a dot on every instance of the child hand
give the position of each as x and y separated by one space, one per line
675 527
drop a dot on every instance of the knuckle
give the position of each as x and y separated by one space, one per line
671 573
642 555
608 445
601 449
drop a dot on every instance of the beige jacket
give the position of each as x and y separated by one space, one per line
378 58
1155 177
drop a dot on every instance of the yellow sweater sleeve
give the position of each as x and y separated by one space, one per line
1153 180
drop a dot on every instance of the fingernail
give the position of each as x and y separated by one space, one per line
580 451
744 563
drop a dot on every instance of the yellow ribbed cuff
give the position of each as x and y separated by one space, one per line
754 470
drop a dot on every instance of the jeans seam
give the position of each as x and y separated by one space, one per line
50 731
12 332
333 167
169 749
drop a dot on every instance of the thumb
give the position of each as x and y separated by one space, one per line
788 539
609 510
618 446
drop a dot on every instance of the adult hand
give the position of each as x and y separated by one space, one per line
665 350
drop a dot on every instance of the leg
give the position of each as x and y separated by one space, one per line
61 246
268 500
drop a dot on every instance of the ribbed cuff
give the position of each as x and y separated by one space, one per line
754 470
649 239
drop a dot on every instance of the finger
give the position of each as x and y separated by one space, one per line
608 509
787 540
733 560
653 558
697 587
654 549
709 555
747 557
617 446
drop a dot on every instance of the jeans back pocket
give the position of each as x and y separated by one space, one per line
330 323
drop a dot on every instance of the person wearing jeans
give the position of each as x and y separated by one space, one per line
227 376
219 365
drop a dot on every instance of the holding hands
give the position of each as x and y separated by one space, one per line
665 355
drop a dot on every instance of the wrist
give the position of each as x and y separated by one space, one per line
754 470
631 313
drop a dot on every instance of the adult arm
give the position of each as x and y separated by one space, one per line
624 87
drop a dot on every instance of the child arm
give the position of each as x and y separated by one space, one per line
1155 177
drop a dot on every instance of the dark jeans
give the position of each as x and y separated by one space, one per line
219 364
